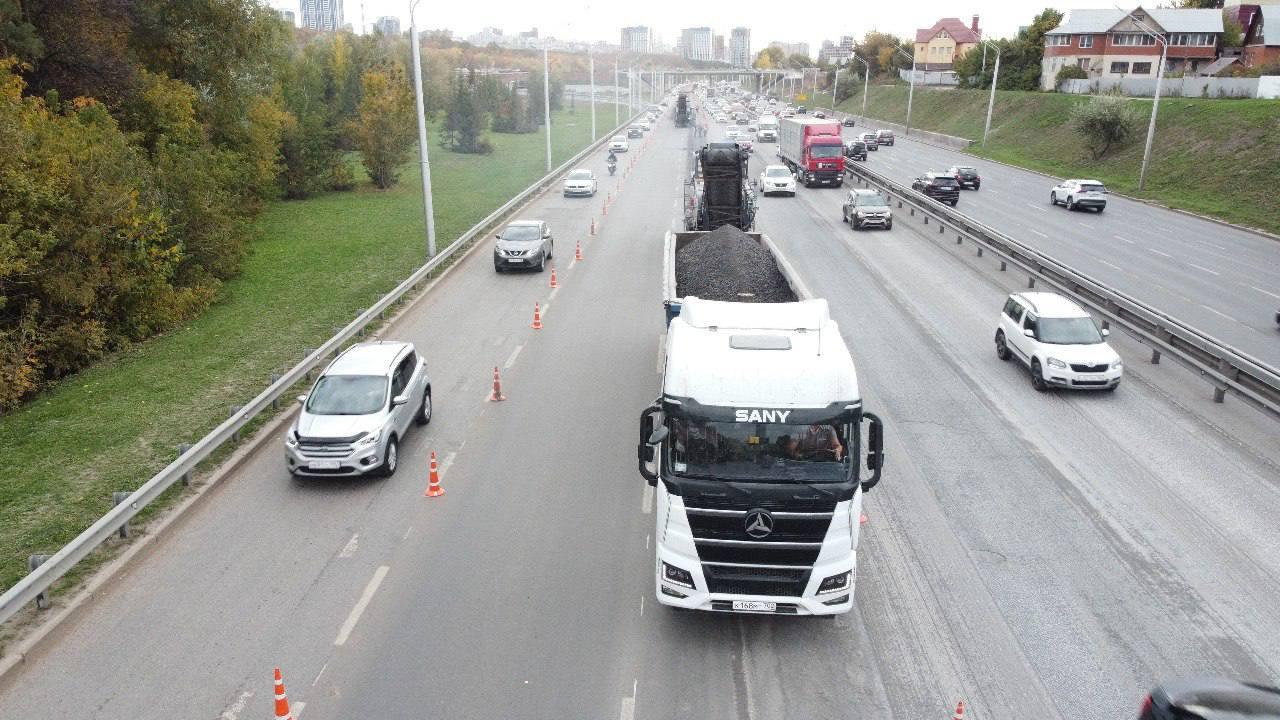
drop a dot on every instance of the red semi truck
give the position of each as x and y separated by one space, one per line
813 149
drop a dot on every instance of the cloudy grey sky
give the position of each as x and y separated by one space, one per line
600 20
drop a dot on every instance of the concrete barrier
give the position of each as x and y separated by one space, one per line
948 141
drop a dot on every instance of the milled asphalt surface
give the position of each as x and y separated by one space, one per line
1047 556
1221 280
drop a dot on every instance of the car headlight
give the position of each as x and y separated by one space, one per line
1117 364
291 439
677 576
860 213
836 583
1056 363
368 440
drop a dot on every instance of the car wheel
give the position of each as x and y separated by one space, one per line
551 251
390 458
955 202
542 263
497 268
1037 377
888 225
424 410
1100 209
976 188
1002 350
1071 203
844 215
1113 387
1053 199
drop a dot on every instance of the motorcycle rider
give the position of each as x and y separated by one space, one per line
612 161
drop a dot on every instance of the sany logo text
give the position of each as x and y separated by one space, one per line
766 416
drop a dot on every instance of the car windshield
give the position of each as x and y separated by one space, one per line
580 175
760 451
520 232
944 181
966 171
869 136
1068 331
825 151
618 138
348 395
869 201
1092 188
777 172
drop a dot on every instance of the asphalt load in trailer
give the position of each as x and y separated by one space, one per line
727 264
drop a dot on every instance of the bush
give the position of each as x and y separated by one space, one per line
1104 121
1069 72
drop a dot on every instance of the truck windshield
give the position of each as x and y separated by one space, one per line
765 452
825 151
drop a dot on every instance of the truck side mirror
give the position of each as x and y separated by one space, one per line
652 433
875 450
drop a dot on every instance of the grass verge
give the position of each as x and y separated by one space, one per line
313 265
1211 156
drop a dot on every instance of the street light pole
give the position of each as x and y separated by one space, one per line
835 89
617 109
991 103
912 92
591 64
1155 103
546 100
422 135
866 81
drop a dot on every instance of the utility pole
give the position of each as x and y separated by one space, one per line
422 135
546 100
591 63
617 109
866 81
912 92
835 89
991 103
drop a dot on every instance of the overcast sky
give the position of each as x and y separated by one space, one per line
811 22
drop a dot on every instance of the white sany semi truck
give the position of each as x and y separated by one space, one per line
756 447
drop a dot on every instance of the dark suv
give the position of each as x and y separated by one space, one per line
867 208
966 176
939 186
847 122
855 150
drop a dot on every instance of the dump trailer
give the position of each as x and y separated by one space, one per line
719 193
682 110
758 447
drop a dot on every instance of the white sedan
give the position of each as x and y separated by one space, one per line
618 143
777 179
581 182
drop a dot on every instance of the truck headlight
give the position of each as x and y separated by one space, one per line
1056 363
677 576
368 440
836 583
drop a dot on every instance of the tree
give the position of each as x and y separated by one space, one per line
769 58
535 95
796 61
1232 32
1021 58
511 115
1198 4
1104 121
387 127
1069 72
464 123
18 37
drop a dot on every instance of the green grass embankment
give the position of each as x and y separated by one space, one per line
1219 157
313 264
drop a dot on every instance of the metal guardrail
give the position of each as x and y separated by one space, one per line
35 583
1223 366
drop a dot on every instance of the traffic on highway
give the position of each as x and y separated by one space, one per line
708 425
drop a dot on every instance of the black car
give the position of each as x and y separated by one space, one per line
1211 699
847 122
939 186
802 110
966 176
855 150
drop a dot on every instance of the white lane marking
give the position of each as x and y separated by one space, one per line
1158 252
992 192
511 359
1123 239
1035 206
1083 224
295 709
406 533
1214 245
1201 267
448 460
345 631
646 503
641 606
545 307
628 709
552 295
1218 312
1264 292
313 682
646 541
237 707
352 545
1038 232
572 263
1117 267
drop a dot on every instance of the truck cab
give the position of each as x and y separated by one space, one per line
757 452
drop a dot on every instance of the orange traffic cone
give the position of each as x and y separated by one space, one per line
862 520
959 711
282 702
537 317
433 484
605 209
593 227
496 395
577 252
553 283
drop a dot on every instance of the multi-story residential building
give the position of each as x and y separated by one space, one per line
717 48
740 47
938 47
695 43
637 38
388 25
289 17
833 53
789 49
1120 44
323 15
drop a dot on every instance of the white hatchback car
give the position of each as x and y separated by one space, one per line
777 179
1079 194
618 143
1058 341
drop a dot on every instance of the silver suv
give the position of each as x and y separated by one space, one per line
524 244
353 419
866 208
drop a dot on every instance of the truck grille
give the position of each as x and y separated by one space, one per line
756 581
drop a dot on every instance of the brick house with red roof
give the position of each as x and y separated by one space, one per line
938 47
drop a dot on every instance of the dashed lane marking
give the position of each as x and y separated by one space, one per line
317 680
511 359
233 712
646 503
350 548
552 295
1121 239
1219 312
1159 252
1038 232
1203 268
350 624
1264 292
1110 265
448 460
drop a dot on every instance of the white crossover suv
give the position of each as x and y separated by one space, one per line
1058 341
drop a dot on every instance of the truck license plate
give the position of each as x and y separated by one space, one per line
755 606
324 464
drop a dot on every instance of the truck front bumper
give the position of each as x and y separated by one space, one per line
697 598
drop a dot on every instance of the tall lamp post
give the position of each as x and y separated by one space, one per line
617 109
422 134
995 77
866 82
591 64
546 100
1155 104
835 89
912 92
